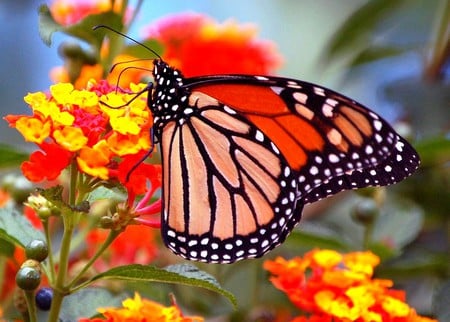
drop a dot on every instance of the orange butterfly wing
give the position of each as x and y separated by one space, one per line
331 141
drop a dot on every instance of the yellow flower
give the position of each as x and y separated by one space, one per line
326 258
70 138
395 307
128 144
141 310
362 262
33 129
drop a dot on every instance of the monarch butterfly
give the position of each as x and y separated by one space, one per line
242 155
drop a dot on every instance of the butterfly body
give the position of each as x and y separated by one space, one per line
242 155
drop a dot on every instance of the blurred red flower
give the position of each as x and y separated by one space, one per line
198 45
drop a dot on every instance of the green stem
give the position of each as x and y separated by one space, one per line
73 182
51 262
29 297
112 235
59 288
368 232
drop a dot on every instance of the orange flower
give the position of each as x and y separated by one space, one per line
142 310
198 45
68 12
72 125
128 71
339 287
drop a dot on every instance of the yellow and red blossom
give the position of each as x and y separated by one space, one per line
142 310
68 12
198 45
69 124
330 286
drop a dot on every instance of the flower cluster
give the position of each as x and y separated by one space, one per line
198 45
72 125
67 12
141 310
340 287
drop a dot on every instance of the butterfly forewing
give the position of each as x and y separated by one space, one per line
332 142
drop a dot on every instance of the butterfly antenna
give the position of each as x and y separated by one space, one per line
127 37
127 62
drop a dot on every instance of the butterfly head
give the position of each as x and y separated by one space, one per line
168 97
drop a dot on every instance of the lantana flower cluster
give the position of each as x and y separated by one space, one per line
331 286
99 129
138 309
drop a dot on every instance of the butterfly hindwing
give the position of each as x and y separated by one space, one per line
236 195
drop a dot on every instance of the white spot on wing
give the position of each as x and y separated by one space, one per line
259 136
277 89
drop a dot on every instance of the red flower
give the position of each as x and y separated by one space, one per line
198 45
46 164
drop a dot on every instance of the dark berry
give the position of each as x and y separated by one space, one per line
28 278
44 298
37 250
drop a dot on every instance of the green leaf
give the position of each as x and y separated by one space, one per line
139 51
375 53
15 228
6 248
47 25
434 151
9 156
185 274
312 235
83 29
418 263
102 193
357 28
399 224
85 303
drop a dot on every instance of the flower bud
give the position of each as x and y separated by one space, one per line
106 222
42 206
365 212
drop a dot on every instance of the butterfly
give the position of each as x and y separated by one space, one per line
242 155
